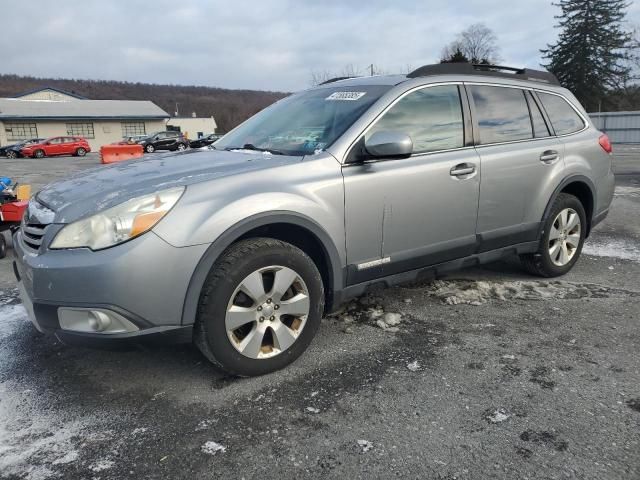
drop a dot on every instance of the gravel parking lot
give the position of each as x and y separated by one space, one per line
490 373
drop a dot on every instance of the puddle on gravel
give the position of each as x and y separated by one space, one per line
614 248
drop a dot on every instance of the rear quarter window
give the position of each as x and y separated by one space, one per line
564 118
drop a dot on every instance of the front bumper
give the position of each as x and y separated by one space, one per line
144 280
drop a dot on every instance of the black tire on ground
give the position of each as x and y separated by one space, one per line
3 246
234 265
81 152
11 154
540 263
149 148
180 147
39 154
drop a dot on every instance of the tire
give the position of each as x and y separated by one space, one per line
557 256
181 147
11 154
81 152
39 154
149 148
3 246
266 262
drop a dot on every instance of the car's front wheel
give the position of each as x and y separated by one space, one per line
260 307
564 232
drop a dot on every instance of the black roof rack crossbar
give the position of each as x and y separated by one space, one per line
336 79
486 70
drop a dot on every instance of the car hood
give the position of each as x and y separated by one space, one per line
92 191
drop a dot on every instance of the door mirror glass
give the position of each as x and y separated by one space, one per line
386 143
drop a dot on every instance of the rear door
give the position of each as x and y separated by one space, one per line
68 146
53 146
519 158
403 214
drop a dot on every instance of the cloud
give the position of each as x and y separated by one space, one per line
254 44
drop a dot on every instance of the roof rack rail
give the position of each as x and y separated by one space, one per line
482 69
336 79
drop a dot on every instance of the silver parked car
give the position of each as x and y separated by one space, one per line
354 183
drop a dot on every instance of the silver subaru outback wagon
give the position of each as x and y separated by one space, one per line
243 247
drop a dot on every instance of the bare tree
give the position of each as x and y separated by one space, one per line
477 42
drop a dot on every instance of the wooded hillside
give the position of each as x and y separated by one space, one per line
229 107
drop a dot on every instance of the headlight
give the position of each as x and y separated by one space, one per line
118 224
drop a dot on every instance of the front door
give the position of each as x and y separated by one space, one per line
519 157
404 214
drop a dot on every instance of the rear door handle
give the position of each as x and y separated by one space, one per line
462 169
549 156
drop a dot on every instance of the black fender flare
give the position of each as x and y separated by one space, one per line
566 181
213 252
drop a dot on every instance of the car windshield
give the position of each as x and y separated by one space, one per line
303 123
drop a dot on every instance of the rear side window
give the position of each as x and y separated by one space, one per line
540 129
564 118
432 117
503 114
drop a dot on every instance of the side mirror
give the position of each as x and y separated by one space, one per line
387 143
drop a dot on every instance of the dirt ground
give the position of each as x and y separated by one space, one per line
490 373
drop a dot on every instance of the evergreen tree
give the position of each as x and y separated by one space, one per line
456 57
592 52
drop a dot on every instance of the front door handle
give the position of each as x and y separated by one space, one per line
549 156
462 169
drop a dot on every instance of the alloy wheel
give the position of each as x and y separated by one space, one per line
267 312
564 237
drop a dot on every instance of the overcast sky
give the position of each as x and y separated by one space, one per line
269 44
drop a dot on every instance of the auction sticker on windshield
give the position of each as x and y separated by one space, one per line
349 96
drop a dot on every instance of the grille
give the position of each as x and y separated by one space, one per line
32 234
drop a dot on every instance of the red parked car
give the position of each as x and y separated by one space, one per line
57 146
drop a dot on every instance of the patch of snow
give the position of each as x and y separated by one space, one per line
626 191
365 445
139 431
211 448
312 410
414 366
101 465
498 416
392 319
10 317
615 248
472 292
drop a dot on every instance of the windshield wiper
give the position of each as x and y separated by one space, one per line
250 146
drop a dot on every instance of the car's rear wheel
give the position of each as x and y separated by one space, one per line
561 244
260 307
181 147
149 148
3 246
38 154
81 152
12 154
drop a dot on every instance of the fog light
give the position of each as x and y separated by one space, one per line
92 320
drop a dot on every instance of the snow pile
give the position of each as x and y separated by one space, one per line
470 292
368 309
413 366
211 448
616 248
365 445
626 191
498 416
101 465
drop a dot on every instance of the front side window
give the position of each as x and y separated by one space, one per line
305 122
564 118
503 114
432 117
83 129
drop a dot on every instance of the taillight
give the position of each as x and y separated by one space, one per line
605 143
